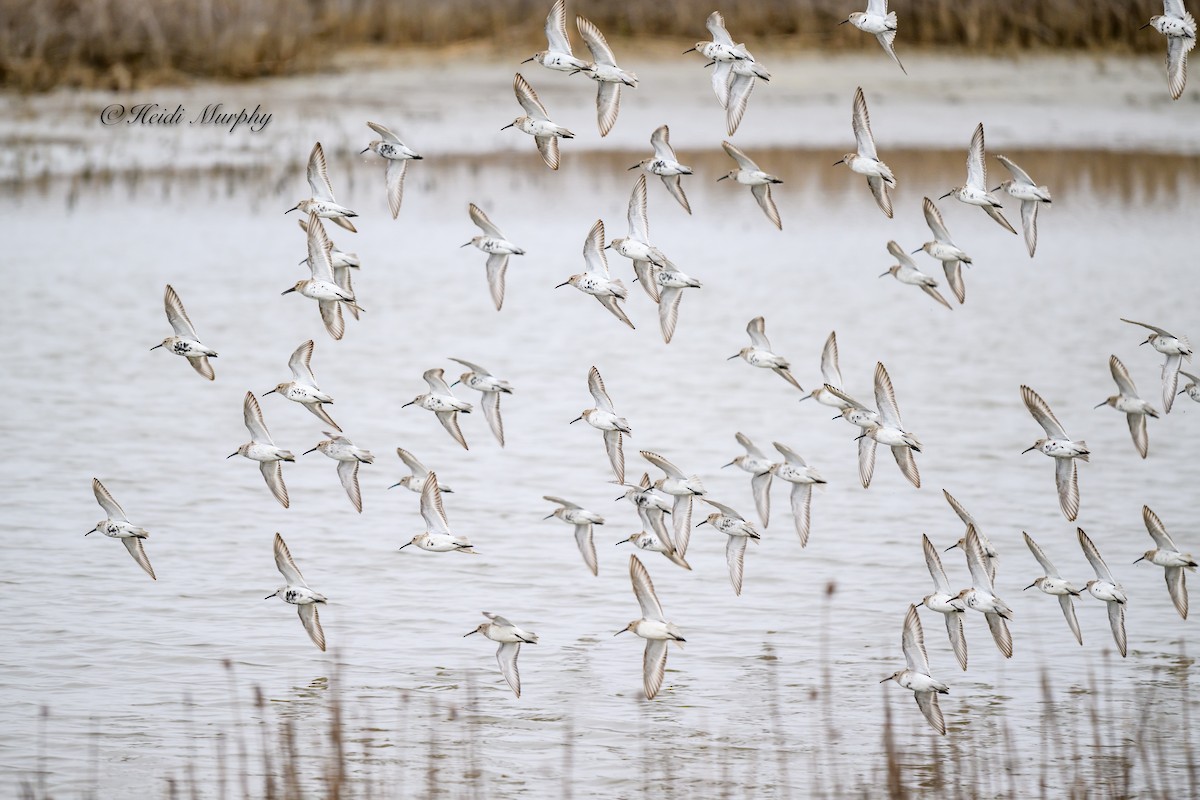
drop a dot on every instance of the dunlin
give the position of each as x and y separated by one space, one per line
975 192
1061 448
302 388
322 202
653 627
442 402
866 160
348 456
536 123
1133 407
916 677
295 591
510 637
184 342
397 154
749 174
1053 584
118 526
498 249
261 448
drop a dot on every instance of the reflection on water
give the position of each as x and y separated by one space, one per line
776 691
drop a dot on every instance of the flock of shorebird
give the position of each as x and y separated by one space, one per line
734 75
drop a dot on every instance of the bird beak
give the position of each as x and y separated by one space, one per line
839 161
1101 404
564 283
531 58
730 464
572 422
732 357
1030 586
365 149
268 597
692 49
231 455
889 272
806 397
406 544
843 22
1027 449
465 635
289 291
1145 342
618 633
506 127
394 485
723 177
1147 25
889 677
409 403
264 394
1143 558
635 166
701 522
156 347
947 194
919 249
457 382
93 530
548 516
306 452
293 208
951 547
623 541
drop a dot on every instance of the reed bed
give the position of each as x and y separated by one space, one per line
125 43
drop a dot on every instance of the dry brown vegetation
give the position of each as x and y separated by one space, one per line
122 43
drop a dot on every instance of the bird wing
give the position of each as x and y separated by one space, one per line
491 412
880 190
1000 633
737 99
320 249
478 370
616 455
936 571
300 364
646 272
506 658
1121 375
643 589
681 518
318 175
1066 477
675 187
907 463
202 365
639 225
976 562
735 556
1042 413
348 475
587 547
660 140
1021 175
996 214
599 394
394 177
760 485
435 378
724 509
830 370
749 446
953 270
1137 429
1177 53
556 28
666 466
1116 619
449 420
482 221
286 564
528 98
913 642
416 467
866 460
1170 380
1047 565
595 41
385 133
928 703
497 266
560 501
877 8
548 147
432 510
1176 584
331 315
177 316
958 640
668 311
802 509
716 26
654 666
1158 531
790 455
976 165
962 513
1093 557
593 250
762 193
898 253
887 42
933 218
757 329
312 623
743 161
608 105
1068 608
1159 331
272 472
111 507
253 417
936 295
721 74
134 545
885 397
861 122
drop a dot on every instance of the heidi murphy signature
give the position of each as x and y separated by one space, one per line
213 114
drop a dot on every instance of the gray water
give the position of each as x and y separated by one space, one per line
776 690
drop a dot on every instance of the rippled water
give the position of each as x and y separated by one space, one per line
777 690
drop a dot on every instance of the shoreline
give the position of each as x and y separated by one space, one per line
1073 102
